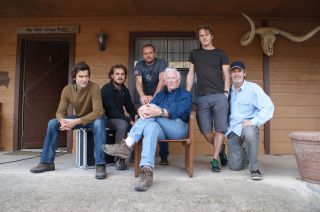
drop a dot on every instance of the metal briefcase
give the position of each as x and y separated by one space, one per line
85 148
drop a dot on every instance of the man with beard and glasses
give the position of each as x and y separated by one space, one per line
150 81
116 97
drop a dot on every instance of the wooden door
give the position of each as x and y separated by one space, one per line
45 73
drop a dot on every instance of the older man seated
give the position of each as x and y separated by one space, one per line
166 117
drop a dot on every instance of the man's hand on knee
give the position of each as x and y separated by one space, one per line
69 124
246 123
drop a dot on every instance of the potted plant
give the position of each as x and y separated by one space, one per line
306 146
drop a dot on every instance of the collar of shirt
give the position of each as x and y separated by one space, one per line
242 87
116 89
172 91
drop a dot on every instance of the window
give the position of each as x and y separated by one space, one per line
175 50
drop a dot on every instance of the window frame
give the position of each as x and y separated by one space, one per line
132 39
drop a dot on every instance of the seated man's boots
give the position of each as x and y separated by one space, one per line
120 150
101 172
146 179
43 167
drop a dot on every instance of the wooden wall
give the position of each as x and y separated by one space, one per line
294 69
295 85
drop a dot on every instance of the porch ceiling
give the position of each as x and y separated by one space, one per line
100 8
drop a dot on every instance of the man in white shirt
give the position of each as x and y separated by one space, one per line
250 107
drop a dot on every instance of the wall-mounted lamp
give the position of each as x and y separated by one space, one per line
101 41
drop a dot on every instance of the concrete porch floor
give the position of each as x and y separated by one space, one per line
72 189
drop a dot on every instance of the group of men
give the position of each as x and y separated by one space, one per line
227 106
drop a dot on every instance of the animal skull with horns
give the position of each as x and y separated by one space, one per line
268 36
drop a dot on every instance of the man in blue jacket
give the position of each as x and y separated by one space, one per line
166 117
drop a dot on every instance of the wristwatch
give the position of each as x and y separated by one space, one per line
227 92
162 112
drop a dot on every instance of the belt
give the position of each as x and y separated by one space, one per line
210 93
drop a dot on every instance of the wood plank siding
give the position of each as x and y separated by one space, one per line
294 84
294 67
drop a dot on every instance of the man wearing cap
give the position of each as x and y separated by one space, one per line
211 65
250 107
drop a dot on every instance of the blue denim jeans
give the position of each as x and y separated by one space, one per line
244 149
153 129
98 128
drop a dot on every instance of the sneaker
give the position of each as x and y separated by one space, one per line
146 179
120 150
164 160
215 166
223 155
43 167
120 164
101 172
256 175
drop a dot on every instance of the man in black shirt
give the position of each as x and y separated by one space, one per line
115 95
211 66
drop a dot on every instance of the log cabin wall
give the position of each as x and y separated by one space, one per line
294 67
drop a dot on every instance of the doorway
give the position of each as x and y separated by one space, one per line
44 71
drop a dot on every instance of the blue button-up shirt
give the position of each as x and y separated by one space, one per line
249 103
177 102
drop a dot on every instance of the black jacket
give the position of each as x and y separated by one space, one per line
113 101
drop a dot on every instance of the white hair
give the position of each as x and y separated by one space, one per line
172 70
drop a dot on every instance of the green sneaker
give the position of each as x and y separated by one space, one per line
215 166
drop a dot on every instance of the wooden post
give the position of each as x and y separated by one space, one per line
1 148
266 87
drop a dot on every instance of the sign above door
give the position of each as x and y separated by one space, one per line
47 29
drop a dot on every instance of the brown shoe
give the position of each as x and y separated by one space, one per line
120 164
101 172
120 150
43 167
146 179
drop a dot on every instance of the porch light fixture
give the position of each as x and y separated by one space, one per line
101 41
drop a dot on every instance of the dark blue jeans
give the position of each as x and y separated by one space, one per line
164 149
98 128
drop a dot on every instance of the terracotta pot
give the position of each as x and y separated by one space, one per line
307 151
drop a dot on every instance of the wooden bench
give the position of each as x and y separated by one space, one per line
187 142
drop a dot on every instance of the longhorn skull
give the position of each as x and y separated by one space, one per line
268 36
